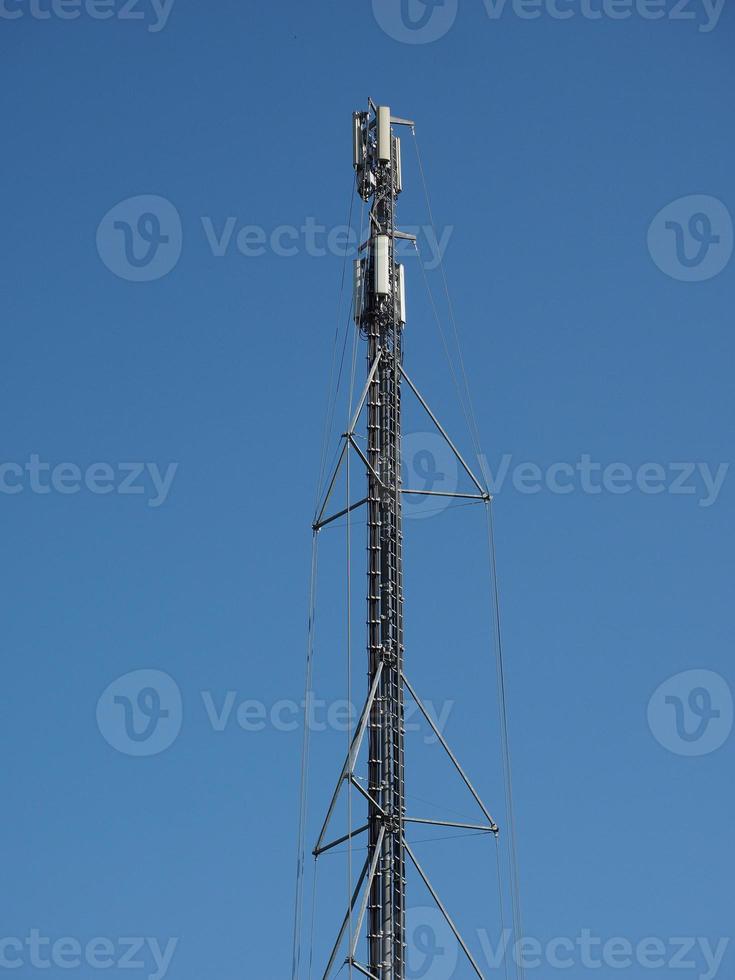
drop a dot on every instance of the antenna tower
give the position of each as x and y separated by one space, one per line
377 913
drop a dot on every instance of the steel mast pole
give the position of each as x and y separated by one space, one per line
379 898
379 313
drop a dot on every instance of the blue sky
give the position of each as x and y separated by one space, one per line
163 412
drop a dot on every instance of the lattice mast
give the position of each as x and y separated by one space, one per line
380 316
378 903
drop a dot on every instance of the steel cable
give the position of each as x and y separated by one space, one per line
349 638
332 389
305 757
466 398
505 736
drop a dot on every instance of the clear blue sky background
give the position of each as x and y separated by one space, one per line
549 147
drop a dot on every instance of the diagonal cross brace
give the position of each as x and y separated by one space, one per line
443 911
366 897
342 513
368 871
363 970
365 391
440 427
342 840
452 756
346 921
349 765
347 439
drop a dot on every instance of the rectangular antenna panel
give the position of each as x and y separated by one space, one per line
382 265
358 288
401 294
358 150
384 134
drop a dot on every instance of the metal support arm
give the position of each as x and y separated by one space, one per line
437 423
452 756
443 911
349 765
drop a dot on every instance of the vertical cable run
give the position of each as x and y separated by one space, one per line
349 639
305 750
505 739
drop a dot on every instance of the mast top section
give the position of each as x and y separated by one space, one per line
374 147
